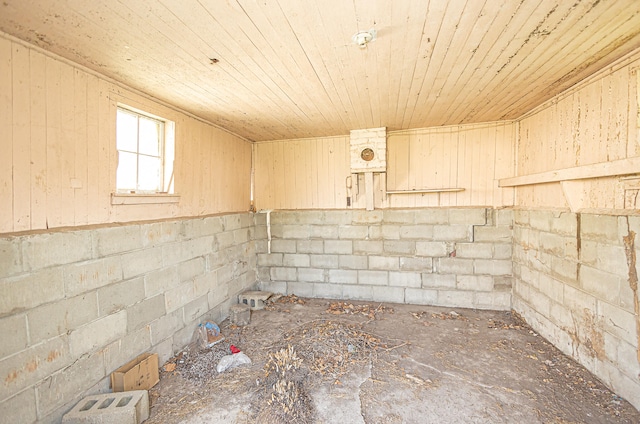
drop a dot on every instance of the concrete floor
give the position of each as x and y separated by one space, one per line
433 365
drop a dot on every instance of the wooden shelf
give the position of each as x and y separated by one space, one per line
594 170
425 190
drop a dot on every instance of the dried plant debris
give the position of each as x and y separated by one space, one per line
284 398
346 308
199 366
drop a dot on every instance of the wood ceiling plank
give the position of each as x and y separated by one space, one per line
563 36
6 123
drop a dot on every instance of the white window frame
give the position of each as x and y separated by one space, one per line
165 194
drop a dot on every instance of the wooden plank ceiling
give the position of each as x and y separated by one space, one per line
289 69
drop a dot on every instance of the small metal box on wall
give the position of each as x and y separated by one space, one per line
369 150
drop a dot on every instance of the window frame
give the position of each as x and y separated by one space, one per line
166 181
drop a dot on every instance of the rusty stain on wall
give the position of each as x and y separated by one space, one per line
630 251
587 332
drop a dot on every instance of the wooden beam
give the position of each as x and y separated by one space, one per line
604 169
425 190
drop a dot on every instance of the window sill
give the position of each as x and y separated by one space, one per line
143 199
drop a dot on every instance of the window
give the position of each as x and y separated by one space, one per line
145 146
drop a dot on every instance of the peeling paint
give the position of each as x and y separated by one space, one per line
630 251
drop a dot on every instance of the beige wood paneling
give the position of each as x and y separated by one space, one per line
288 69
59 162
594 123
311 173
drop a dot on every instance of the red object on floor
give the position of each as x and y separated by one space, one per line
234 349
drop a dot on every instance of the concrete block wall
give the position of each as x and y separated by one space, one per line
575 282
458 257
76 305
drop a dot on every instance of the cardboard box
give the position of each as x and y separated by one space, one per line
138 374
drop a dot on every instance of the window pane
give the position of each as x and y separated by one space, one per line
126 131
149 175
126 173
149 137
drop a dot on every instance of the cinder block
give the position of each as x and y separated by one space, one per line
474 250
475 282
540 219
492 234
323 231
599 227
454 266
57 318
431 216
353 231
367 247
165 326
21 408
337 217
241 235
405 279
367 217
377 278
341 247
492 266
468 216
221 241
296 260
398 216
85 276
179 296
416 264
283 274
388 294
300 288
202 284
310 275
420 296
400 247
240 314
503 217
384 263
420 232
438 281
309 246
120 239
140 262
353 262
30 290
62 387
283 246
118 296
390 232
192 228
453 232
231 222
195 309
497 301
98 333
324 261
19 371
272 286
341 276
256 299
14 327
431 248
295 231
110 408
502 251
355 292
161 280
456 299
10 256
327 291
59 248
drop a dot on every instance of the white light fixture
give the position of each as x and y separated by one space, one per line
363 38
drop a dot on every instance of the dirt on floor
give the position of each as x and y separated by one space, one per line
325 361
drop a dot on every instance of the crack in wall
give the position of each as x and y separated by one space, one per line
630 252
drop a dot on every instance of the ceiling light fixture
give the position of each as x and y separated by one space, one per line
363 38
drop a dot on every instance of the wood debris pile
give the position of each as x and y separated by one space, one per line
282 300
339 308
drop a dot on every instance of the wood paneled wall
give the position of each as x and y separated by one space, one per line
594 122
312 173
57 124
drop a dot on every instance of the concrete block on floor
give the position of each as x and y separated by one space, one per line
240 314
110 408
255 299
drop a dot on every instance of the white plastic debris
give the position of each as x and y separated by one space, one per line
231 361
